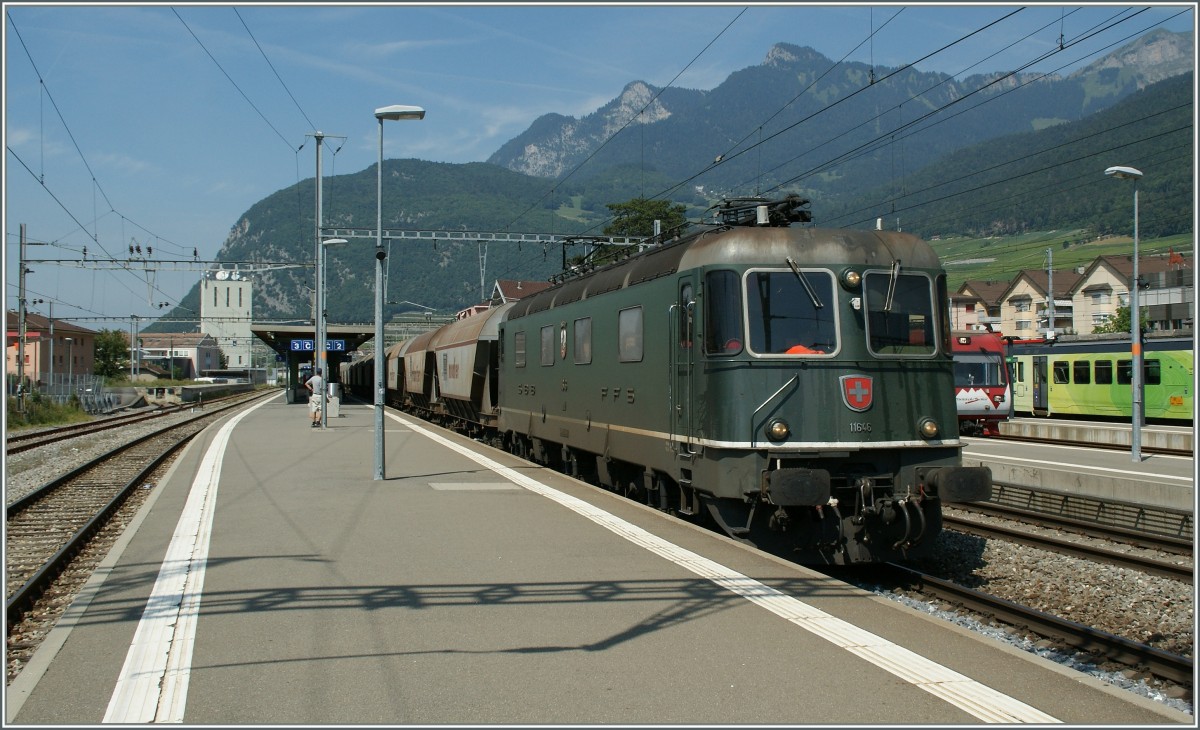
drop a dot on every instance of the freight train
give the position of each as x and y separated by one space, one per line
787 384
982 387
1090 377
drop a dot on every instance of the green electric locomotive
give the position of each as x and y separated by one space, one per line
792 384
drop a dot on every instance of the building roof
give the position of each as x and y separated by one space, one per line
510 290
991 293
37 323
1064 281
177 340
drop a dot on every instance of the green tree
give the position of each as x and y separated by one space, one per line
1119 322
636 217
112 353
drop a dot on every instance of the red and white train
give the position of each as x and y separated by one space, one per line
982 386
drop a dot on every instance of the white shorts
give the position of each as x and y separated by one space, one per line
314 403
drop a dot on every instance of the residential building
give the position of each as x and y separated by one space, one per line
1027 308
56 351
976 305
185 354
1084 297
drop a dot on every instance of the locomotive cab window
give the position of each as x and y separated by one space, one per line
900 313
722 313
686 305
791 312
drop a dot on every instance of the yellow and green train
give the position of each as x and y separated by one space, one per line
1091 378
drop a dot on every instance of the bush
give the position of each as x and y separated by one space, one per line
42 411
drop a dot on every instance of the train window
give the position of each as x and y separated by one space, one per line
971 370
900 313
1020 370
629 334
1152 372
547 334
685 315
723 313
1104 372
583 341
1082 372
1124 372
519 349
1062 372
791 312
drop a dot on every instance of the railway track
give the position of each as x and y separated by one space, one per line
17 442
1064 546
1164 665
48 527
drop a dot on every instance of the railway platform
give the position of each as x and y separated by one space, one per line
1120 435
1096 466
271 580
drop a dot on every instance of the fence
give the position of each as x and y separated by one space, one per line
91 390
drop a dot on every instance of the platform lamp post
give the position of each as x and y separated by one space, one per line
396 112
321 359
1135 319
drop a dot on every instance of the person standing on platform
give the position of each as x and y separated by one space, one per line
314 385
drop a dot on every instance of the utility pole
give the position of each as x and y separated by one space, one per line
21 325
1050 275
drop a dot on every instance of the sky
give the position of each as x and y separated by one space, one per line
160 125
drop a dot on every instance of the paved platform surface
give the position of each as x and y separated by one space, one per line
1156 481
272 580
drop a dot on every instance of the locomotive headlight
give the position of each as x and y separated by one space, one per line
929 428
778 430
851 279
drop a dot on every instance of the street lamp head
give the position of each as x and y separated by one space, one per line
397 112
1124 173
334 242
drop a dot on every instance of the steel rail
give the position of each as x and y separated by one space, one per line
1164 665
1136 562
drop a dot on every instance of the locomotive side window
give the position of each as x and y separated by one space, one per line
722 313
583 341
1083 372
519 349
629 334
1104 372
791 312
900 313
547 334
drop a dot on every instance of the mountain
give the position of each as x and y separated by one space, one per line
1052 178
833 120
858 140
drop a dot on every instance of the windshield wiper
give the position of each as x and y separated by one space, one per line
812 293
891 293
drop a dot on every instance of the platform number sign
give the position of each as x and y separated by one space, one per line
309 345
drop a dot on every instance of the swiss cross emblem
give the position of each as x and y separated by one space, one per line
856 392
